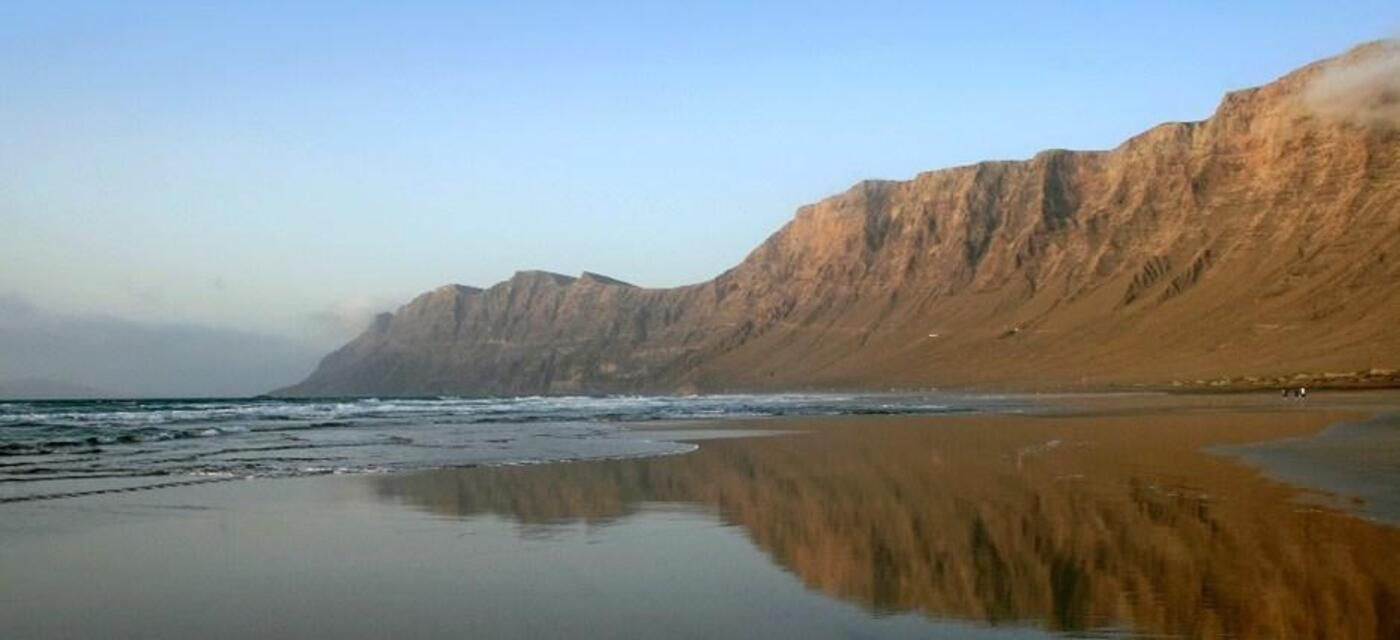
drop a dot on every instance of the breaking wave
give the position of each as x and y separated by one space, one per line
44 444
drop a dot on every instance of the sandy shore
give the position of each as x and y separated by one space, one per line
1101 513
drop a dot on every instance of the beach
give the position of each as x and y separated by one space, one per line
1136 515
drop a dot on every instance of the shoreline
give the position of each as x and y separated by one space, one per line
1370 402
1314 464
1350 466
1091 514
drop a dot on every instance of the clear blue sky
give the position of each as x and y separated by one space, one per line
266 166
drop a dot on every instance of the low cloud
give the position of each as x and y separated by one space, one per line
1364 91
346 319
41 349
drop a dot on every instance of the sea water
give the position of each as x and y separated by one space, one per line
59 448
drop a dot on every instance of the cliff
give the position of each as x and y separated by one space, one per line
1262 241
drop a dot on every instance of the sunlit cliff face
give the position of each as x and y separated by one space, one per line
1073 523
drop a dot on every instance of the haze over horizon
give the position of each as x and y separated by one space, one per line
290 171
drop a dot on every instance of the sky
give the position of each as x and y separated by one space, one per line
288 168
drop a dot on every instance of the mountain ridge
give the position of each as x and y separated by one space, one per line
1262 240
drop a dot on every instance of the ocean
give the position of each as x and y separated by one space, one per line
51 449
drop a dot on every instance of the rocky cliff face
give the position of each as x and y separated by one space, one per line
1264 240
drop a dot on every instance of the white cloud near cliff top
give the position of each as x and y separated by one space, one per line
348 318
1365 92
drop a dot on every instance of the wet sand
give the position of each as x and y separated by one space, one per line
1103 515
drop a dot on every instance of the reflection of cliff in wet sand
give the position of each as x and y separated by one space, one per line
1078 522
